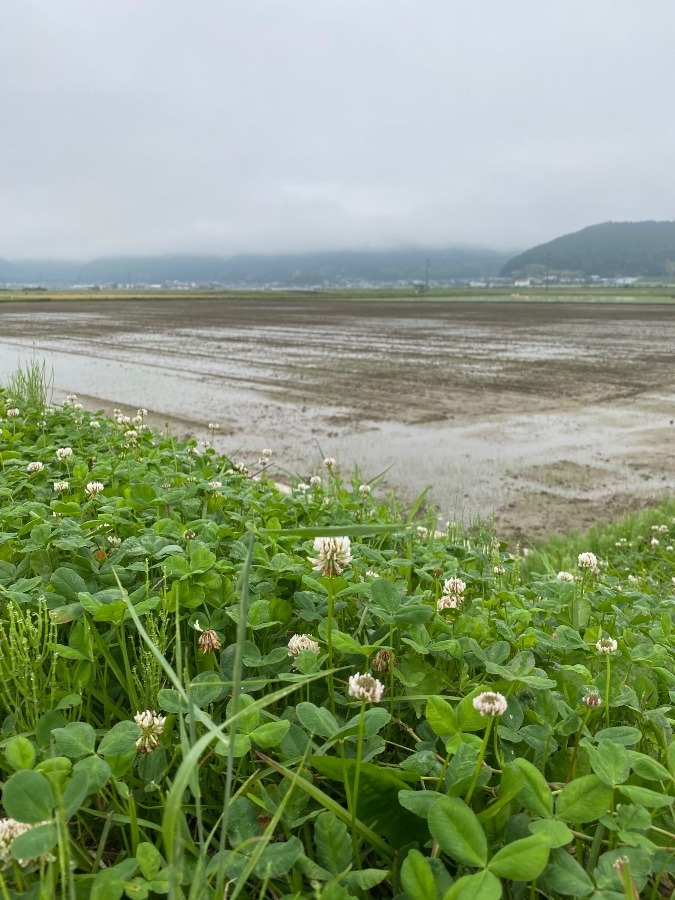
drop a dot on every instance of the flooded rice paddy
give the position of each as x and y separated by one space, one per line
548 415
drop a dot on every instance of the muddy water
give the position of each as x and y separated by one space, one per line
549 415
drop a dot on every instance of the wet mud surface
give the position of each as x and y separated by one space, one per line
550 416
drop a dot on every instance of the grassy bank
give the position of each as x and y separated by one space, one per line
211 688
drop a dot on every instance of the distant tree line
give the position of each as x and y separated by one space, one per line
300 269
613 249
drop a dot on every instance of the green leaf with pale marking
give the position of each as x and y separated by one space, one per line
479 886
20 753
333 846
316 719
27 797
441 716
535 794
584 800
417 877
35 842
458 832
522 860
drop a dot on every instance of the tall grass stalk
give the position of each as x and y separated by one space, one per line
236 684
32 385
174 827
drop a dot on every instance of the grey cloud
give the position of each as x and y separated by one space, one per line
273 125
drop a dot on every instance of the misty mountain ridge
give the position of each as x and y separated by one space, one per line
608 250
328 268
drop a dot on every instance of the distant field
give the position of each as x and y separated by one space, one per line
572 294
550 415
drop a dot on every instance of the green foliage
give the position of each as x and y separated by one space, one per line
611 249
31 385
161 734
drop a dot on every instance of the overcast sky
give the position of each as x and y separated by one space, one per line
226 126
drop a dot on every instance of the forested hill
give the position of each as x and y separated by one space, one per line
300 270
613 249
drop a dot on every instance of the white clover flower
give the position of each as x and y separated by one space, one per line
94 423
498 570
454 585
60 486
123 420
142 412
114 541
131 435
655 542
329 463
490 703
365 687
71 398
633 579
372 574
13 412
364 490
423 532
300 642
587 561
449 601
215 484
34 467
267 452
64 453
606 645
151 725
77 406
315 481
384 660
333 554
209 642
214 426
565 576
94 487
592 700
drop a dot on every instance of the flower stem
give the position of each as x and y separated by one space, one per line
479 764
439 783
357 778
607 692
573 761
329 645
